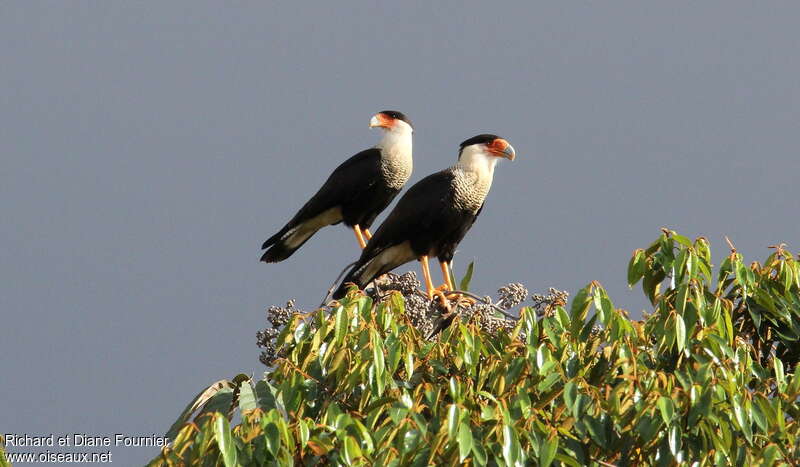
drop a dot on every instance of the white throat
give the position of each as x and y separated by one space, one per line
397 138
476 159
473 177
396 160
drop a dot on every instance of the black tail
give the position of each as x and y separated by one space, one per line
351 277
284 243
274 239
279 251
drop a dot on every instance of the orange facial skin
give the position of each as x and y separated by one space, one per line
382 120
500 147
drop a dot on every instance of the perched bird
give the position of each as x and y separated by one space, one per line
355 193
433 216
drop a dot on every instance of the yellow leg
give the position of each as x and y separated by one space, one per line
446 274
430 289
426 273
448 285
368 234
359 236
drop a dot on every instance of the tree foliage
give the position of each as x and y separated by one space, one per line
708 377
3 461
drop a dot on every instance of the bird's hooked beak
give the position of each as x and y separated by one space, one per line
380 120
500 148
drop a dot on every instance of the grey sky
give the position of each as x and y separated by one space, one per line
148 148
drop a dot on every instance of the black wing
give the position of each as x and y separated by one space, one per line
449 242
423 214
347 181
415 219
350 178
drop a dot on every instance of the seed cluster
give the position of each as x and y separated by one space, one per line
511 295
422 313
407 283
277 316
487 319
426 315
546 304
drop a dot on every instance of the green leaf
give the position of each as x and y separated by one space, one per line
351 450
394 348
542 356
728 326
511 449
465 281
300 331
199 400
411 440
479 454
406 400
548 382
570 394
680 298
304 431
340 328
464 441
742 418
364 306
603 305
780 377
397 302
247 398
266 398
547 450
771 454
700 408
272 437
680 333
455 389
409 362
793 387
377 355
636 267
682 240
596 430
221 402
651 284
667 409
580 305
674 439
452 420
578 407
222 433
760 418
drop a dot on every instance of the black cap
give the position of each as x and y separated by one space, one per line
480 139
397 116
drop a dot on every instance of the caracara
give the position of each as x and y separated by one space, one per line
355 193
433 216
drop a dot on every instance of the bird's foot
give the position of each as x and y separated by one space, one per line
460 299
444 288
443 298
455 296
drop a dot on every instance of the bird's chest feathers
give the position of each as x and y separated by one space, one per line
470 189
396 164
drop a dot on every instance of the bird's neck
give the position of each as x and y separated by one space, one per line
396 142
396 161
477 163
473 176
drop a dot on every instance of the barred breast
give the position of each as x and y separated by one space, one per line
470 188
